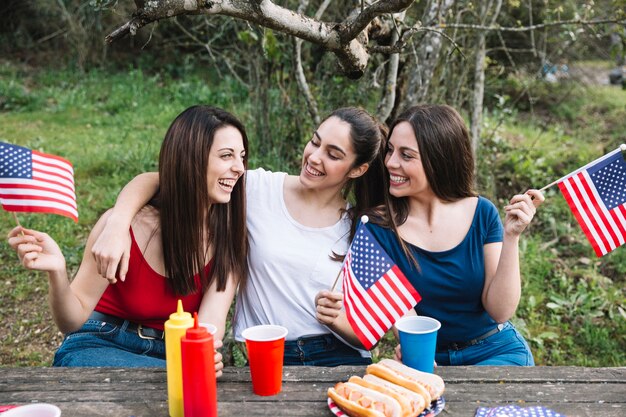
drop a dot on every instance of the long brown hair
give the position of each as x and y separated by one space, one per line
445 151
188 219
367 136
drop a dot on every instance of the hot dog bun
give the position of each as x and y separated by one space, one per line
405 405
417 402
410 378
358 401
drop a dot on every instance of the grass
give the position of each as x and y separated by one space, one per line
572 308
110 125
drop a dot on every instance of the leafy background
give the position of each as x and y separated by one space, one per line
107 109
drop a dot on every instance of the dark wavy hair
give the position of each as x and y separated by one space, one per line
187 216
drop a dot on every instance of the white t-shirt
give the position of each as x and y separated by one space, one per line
289 263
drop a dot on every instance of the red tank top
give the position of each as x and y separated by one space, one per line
144 296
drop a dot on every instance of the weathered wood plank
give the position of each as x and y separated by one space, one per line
306 392
90 392
340 373
271 408
570 374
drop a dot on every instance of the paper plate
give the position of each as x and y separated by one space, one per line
434 409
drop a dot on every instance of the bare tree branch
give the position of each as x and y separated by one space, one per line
351 29
406 35
493 27
322 9
400 45
337 38
347 40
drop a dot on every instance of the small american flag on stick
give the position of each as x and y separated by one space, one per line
376 292
596 194
32 181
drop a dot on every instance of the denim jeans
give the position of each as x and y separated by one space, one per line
323 350
506 347
100 343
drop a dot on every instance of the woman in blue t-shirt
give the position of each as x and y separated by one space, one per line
453 247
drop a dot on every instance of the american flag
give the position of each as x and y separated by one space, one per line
376 292
596 195
32 181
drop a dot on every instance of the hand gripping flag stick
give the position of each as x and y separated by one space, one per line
376 292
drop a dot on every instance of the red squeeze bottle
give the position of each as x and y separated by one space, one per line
198 366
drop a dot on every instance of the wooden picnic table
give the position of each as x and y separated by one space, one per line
88 392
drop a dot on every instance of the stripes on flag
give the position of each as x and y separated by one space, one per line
376 292
597 197
32 181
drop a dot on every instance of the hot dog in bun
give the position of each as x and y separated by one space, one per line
417 402
358 401
405 405
410 378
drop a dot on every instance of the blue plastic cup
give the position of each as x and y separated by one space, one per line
418 341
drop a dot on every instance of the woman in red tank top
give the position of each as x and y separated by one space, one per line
188 243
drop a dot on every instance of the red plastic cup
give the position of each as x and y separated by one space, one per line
266 346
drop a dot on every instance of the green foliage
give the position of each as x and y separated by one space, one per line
572 304
110 125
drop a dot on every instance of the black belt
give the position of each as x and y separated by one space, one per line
463 345
141 330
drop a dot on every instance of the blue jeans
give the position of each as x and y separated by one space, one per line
322 350
103 344
506 347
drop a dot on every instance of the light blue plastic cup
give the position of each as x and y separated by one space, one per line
418 341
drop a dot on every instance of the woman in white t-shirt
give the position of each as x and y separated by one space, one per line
299 227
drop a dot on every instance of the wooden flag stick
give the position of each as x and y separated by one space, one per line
17 221
622 148
336 280
549 185
364 219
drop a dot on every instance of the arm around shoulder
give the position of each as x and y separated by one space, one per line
111 248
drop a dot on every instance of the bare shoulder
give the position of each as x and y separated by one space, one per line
291 182
469 203
145 222
464 208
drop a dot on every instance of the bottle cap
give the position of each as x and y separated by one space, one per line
197 332
180 317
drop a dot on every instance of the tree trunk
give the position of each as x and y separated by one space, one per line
260 74
479 71
388 101
422 65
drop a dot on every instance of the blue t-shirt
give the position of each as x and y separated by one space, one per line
451 282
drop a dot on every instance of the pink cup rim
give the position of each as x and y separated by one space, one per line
264 333
435 324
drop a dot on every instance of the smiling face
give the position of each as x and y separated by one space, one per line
406 172
328 157
226 163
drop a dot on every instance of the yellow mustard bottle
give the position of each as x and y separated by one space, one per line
175 328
